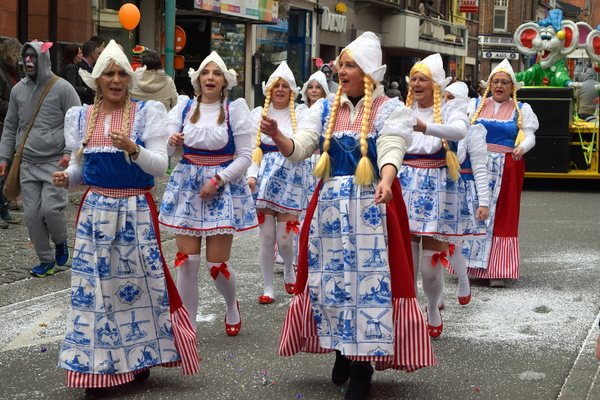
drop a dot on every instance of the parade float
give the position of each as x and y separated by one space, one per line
566 147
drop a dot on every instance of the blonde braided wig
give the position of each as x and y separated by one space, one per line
451 158
520 134
364 174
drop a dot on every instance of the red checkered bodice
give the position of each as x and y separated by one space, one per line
98 138
342 122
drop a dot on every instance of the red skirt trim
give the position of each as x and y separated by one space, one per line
412 347
503 262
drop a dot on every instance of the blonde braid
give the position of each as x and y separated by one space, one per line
91 125
323 167
125 123
478 111
257 154
365 174
437 103
451 159
521 134
409 98
222 111
293 111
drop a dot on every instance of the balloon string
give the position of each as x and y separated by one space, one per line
130 35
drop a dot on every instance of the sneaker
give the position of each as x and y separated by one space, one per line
3 225
42 270
10 219
13 205
62 254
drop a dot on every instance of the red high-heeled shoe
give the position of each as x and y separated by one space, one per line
463 301
233 330
265 299
435 331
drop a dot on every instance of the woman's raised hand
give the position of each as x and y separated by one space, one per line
268 126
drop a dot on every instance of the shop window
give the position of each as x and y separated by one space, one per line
500 15
271 50
229 40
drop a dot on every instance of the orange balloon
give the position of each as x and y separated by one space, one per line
129 16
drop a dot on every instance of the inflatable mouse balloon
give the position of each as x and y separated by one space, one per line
551 39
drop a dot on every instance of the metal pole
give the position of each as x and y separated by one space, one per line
169 37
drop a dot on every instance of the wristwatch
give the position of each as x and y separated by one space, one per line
137 150
220 182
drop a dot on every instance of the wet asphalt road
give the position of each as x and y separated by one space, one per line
533 339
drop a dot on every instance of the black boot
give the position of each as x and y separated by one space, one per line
360 381
341 369
95 393
142 376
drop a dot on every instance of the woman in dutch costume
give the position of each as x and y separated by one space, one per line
428 178
279 186
511 127
314 88
207 194
473 191
126 315
354 293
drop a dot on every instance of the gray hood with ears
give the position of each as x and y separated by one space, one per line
44 64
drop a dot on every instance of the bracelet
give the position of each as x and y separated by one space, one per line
276 133
214 183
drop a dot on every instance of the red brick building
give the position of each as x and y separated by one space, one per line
72 20
590 11
498 20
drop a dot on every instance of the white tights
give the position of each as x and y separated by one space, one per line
227 287
459 264
187 285
266 253
433 286
285 245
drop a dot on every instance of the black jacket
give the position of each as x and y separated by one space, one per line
6 85
71 73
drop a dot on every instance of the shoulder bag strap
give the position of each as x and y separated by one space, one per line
44 93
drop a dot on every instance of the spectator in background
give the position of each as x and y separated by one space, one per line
155 83
430 11
90 55
587 94
472 92
481 86
71 57
385 85
10 52
100 41
135 56
328 71
44 153
393 91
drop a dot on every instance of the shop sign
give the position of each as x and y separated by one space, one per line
209 5
500 54
469 6
332 22
264 10
497 40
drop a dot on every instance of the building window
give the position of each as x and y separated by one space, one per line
500 15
